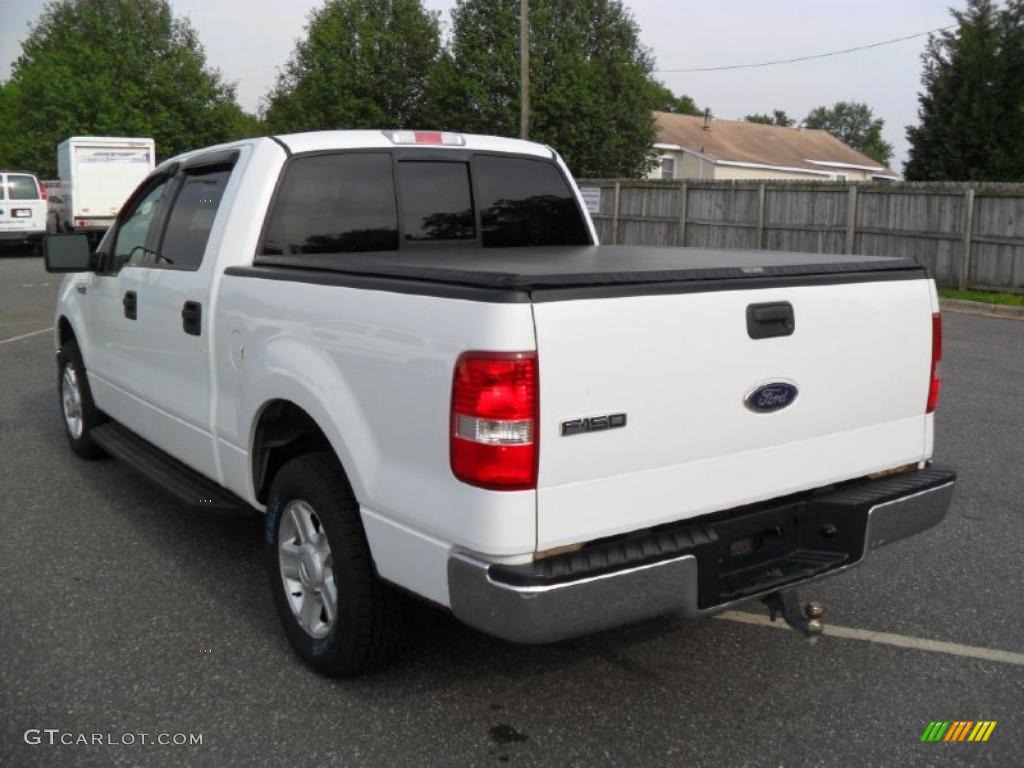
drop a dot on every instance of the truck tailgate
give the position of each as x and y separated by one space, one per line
680 365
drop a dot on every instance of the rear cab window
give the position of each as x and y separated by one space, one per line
436 201
526 203
340 203
349 202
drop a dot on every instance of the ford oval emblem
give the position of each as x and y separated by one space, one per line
773 396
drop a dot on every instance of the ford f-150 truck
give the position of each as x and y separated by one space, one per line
408 349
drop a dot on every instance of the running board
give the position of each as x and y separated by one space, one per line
178 480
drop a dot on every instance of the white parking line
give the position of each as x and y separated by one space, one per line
887 638
26 335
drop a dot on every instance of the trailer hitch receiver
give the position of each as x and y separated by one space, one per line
808 620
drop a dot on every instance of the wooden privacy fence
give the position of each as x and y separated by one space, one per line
969 235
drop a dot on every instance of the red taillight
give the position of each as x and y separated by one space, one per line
494 420
934 383
42 190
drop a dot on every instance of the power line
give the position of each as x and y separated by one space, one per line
812 56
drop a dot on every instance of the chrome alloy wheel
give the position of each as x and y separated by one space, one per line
71 399
307 569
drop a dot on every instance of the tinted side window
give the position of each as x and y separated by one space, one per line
130 246
22 187
526 202
334 204
436 202
3 187
191 219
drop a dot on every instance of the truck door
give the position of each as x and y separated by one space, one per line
115 365
175 315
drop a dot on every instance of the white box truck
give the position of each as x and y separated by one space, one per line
98 173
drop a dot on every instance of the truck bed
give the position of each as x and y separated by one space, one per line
663 339
564 272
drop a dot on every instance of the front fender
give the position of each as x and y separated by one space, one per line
71 307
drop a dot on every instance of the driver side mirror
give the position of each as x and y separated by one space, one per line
67 253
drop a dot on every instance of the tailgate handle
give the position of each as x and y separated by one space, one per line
766 321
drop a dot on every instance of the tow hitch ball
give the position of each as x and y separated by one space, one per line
808 621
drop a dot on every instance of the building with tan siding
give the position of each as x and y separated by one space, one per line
690 147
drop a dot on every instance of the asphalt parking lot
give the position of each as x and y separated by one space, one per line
123 613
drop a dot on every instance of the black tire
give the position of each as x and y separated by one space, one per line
92 417
371 617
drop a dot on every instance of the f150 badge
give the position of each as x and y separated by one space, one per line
773 396
593 424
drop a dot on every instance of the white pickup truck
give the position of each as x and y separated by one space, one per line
409 351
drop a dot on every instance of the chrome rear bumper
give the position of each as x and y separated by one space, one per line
539 610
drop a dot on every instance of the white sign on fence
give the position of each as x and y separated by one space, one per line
591 198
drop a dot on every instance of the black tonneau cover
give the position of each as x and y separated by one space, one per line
562 272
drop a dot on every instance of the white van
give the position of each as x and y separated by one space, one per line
22 209
98 173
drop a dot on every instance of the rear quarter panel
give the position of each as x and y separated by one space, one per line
374 370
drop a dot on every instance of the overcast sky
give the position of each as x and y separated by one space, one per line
249 39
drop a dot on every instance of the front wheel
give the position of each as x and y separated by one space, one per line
338 615
80 413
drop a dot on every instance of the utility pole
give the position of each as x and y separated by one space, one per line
524 69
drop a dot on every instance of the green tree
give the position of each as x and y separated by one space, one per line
590 81
777 117
854 123
664 100
362 64
110 68
972 108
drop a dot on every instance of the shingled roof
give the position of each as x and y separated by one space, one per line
743 142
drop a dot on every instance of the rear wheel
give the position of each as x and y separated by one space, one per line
80 413
338 615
